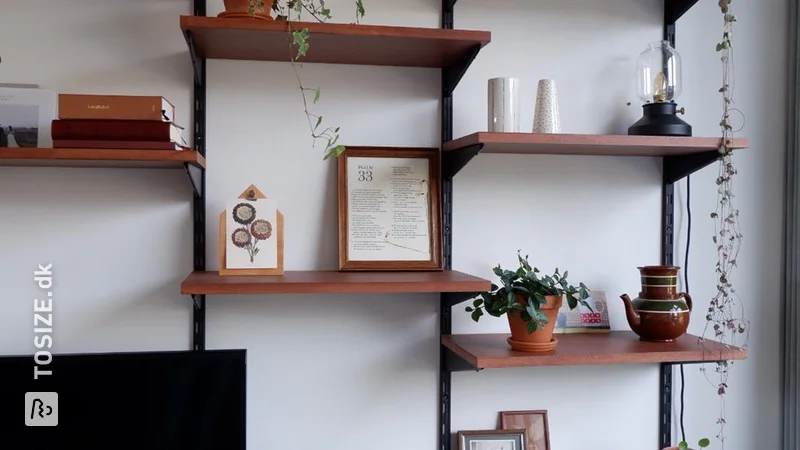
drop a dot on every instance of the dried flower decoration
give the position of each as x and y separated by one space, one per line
241 237
261 229
244 213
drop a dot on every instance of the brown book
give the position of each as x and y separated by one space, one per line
115 107
115 130
134 145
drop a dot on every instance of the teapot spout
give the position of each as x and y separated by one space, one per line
634 320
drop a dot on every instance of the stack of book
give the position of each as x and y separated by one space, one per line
116 121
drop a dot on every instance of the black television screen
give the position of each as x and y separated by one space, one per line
142 400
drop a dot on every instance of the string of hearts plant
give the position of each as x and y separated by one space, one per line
292 11
725 318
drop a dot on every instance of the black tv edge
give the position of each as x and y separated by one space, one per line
169 400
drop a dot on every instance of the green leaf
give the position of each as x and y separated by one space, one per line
360 8
683 445
476 315
469 309
702 443
319 121
531 326
316 96
338 150
477 302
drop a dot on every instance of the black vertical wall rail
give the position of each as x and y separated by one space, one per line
445 317
199 202
667 258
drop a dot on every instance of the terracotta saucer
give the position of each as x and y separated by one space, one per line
244 15
532 347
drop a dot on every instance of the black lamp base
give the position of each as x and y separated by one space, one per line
660 119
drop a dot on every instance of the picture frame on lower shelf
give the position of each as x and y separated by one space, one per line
491 439
389 209
251 220
534 422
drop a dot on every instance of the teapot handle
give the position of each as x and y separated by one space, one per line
688 299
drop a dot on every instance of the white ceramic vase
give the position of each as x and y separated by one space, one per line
546 117
504 105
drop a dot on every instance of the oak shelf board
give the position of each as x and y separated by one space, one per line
261 40
616 347
588 144
333 282
93 157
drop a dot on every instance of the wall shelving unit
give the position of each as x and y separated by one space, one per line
452 51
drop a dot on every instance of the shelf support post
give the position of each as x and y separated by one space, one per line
198 178
667 257
665 406
449 80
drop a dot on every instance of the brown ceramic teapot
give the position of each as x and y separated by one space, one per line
659 313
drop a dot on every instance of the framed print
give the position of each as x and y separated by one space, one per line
26 117
491 440
537 433
389 209
251 236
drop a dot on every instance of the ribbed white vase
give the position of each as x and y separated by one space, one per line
504 105
546 117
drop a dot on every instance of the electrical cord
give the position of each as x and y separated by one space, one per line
686 282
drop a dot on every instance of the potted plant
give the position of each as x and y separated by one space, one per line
531 302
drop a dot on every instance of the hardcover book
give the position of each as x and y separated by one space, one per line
115 107
116 130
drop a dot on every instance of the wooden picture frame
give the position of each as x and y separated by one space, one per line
491 440
251 193
376 186
534 422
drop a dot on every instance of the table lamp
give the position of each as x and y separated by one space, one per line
658 85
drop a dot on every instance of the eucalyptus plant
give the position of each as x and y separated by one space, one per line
291 11
528 283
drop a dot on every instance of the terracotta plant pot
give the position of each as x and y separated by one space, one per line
241 9
540 340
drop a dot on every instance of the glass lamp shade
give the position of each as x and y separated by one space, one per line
659 73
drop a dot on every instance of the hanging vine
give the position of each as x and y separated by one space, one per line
291 11
725 319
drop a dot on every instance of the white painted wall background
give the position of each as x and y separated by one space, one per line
349 371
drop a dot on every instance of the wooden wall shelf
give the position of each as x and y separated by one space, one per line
261 40
481 351
588 144
690 153
123 158
334 282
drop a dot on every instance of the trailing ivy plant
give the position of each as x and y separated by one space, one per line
528 283
725 318
291 11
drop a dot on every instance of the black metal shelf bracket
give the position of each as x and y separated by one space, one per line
198 67
455 160
674 9
452 75
195 175
454 298
453 363
198 179
678 167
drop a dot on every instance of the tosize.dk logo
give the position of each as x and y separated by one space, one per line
41 409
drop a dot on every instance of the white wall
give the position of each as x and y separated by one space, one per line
362 369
